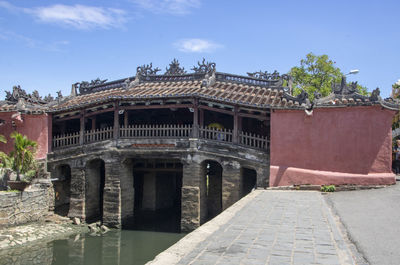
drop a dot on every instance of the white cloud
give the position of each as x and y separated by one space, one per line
77 16
197 45
175 7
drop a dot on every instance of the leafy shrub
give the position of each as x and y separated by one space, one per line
328 188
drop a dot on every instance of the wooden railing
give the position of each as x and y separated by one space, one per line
156 131
253 140
69 139
211 133
99 135
172 131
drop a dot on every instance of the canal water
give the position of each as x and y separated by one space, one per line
117 247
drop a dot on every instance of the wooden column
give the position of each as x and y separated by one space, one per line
94 123
126 119
82 128
116 120
201 119
196 118
235 125
49 132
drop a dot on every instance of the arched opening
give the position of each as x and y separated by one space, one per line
213 189
62 189
94 190
249 180
157 202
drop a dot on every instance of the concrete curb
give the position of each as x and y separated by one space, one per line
176 252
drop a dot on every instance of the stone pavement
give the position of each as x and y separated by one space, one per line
266 227
372 219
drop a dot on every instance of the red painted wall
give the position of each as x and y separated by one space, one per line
35 127
350 145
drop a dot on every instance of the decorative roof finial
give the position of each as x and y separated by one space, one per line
147 70
174 68
204 67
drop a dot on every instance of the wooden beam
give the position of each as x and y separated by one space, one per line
126 118
78 116
216 109
175 106
99 112
248 115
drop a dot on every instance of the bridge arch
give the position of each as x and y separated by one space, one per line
94 189
211 188
248 180
62 188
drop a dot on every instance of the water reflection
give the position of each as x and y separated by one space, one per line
115 247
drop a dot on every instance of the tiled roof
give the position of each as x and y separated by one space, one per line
23 107
253 93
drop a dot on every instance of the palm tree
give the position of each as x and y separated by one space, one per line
23 154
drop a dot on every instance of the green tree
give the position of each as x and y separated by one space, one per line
23 155
4 159
316 73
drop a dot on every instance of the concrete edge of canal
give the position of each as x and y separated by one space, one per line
176 252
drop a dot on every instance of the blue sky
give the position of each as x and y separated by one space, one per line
49 45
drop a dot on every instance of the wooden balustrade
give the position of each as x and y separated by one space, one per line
253 140
156 131
174 131
68 139
211 133
99 135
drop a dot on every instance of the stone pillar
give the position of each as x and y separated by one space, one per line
193 195
263 176
112 194
231 183
77 199
127 192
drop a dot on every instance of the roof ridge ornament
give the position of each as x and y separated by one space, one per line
19 93
174 68
265 75
85 86
147 70
204 67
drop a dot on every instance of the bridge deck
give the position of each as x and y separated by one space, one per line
265 227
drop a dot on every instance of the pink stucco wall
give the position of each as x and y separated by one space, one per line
349 145
35 127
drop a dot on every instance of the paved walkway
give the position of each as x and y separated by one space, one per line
266 227
372 219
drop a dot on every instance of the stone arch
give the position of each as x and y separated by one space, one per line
94 189
248 180
62 188
211 192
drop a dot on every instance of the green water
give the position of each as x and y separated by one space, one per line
114 248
